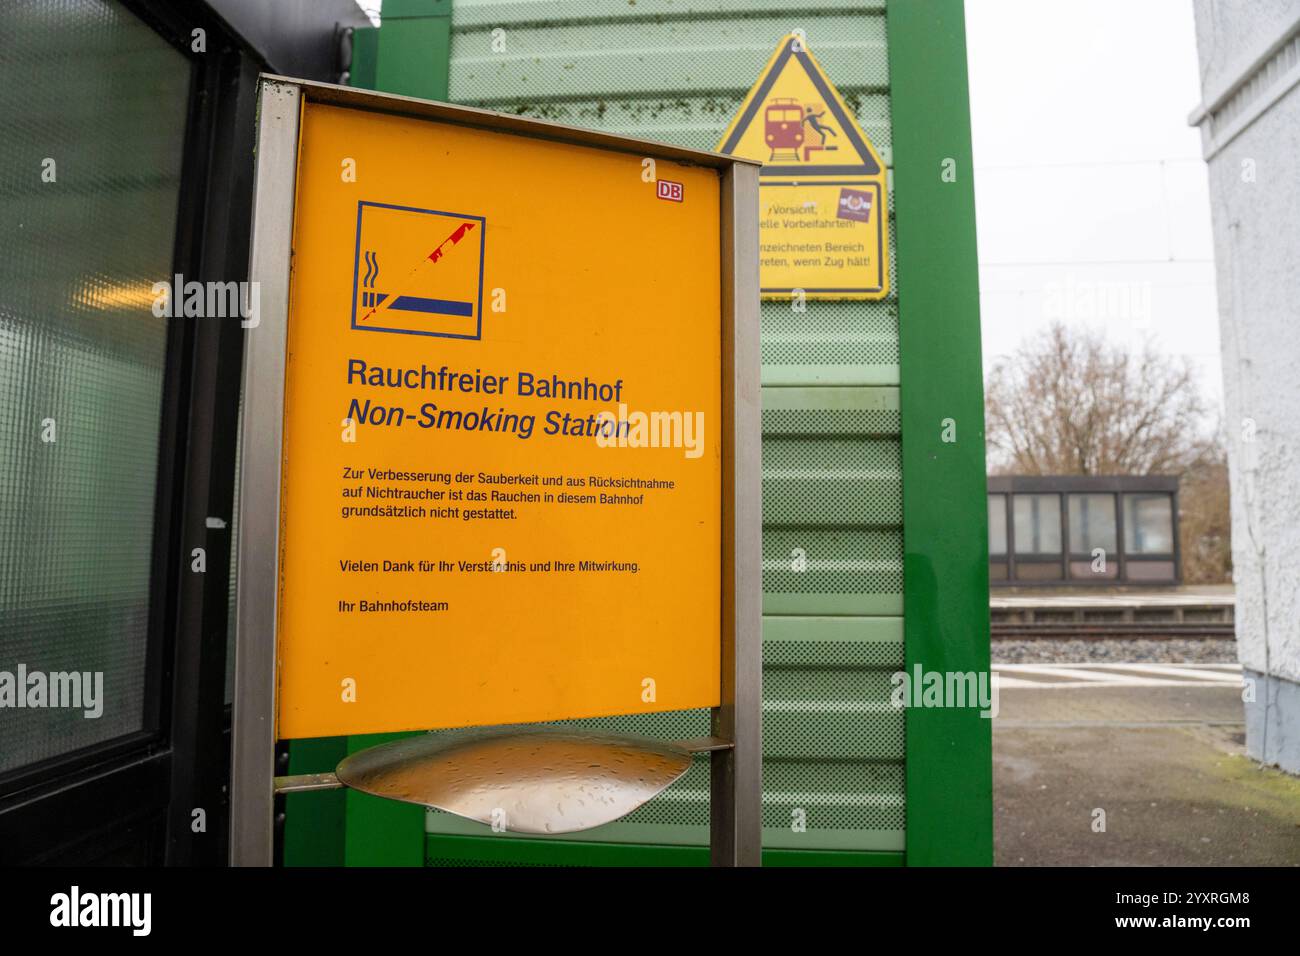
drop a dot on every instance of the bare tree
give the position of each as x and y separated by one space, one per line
1205 522
1071 403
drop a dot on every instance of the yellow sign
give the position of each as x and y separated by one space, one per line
501 485
824 222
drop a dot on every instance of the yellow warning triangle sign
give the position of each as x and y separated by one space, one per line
823 196
795 122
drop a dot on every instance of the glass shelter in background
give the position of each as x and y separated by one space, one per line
1083 529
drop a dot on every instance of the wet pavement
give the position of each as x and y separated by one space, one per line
1165 764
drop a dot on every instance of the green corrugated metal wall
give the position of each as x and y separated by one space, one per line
833 747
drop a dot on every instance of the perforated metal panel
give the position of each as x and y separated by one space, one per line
820 479
677 71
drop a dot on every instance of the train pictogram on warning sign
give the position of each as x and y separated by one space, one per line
784 123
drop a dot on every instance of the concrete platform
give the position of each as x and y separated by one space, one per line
1208 594
1164 761
1020 611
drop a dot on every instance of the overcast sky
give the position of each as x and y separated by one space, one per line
1091 195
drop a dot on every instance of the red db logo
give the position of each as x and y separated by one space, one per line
669 190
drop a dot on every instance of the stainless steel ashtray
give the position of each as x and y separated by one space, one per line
530 779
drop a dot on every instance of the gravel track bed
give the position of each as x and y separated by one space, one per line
1181 650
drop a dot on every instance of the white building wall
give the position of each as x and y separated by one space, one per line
1255 197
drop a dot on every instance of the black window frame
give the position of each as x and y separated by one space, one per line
1064 486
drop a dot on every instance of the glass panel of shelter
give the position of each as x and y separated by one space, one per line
1037 536
1086 538
1093 535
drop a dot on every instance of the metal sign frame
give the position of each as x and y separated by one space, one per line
736 760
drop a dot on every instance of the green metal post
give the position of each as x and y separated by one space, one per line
946 624
315 823
365 56
414 48
381 832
